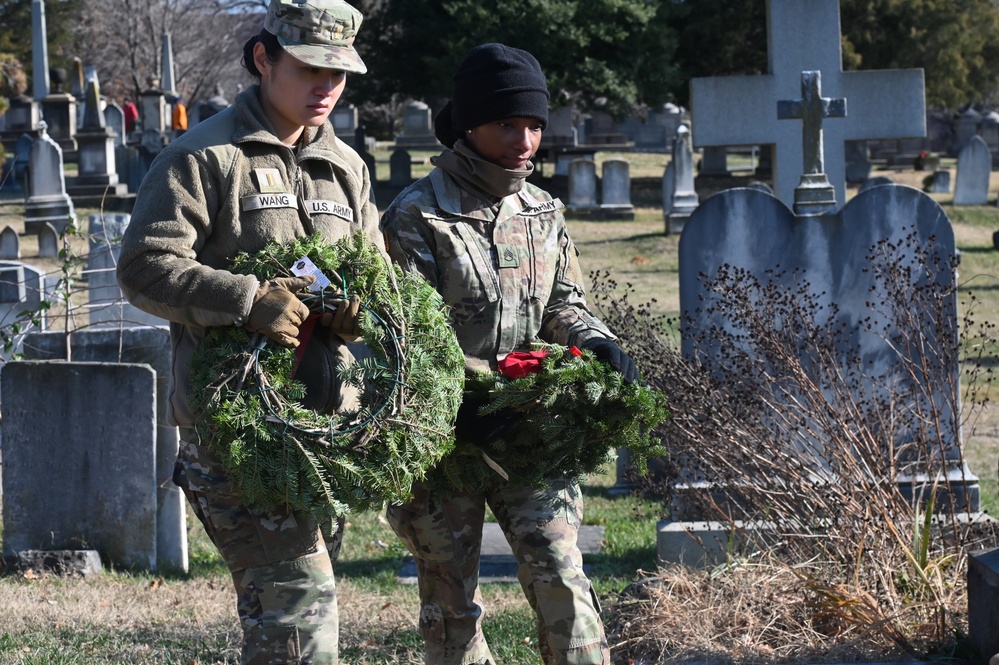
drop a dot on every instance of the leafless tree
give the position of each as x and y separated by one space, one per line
123 40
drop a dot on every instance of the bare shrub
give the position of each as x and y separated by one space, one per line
841 466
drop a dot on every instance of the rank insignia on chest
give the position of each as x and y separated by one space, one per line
269 181
508 256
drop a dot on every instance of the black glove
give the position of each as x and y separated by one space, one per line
609 352
480 429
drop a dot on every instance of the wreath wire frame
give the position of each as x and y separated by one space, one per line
280 453
570 417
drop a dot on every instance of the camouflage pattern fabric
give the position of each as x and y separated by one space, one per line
509 272
445 535
281 564
318 32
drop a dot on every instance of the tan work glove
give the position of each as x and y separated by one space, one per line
277 312
343 321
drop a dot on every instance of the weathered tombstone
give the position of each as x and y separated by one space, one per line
106 305
965 127
615 199
22 289
344 121
670 118
876 181
22 157
714 161
684 199
47 199
560 130
143 346
826 257
983 599
400 168
114 119
213 105
974 167
10 244
361 140
858 161
22 117
417 127
152 108
99 452
805 36
582 187
669 186
48 241
940 183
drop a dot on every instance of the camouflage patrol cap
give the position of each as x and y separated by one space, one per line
317 32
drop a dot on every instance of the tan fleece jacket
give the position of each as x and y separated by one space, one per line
227 186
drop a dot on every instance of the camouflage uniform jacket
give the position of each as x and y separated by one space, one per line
227 186
508 270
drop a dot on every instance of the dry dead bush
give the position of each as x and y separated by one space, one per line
782 426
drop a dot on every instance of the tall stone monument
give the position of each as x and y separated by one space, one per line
97 184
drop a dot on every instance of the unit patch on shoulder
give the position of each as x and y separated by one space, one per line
269 181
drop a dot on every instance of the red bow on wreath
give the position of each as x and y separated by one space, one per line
519 364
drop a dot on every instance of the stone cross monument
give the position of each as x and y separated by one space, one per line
804 35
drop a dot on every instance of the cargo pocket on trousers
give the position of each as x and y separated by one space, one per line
432 624
420 525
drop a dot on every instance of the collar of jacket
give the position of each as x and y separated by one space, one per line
450 199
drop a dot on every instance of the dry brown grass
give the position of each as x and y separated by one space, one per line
749 612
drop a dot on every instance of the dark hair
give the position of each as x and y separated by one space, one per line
271 46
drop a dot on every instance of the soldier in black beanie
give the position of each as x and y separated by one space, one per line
497 249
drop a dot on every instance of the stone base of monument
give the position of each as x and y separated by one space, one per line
675 222
702 544
611 211
56 210
65 563
497 564
108 196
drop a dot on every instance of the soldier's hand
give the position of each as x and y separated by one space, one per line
344 320
277 312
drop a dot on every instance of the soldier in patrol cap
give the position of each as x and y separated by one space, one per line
497 249
268 168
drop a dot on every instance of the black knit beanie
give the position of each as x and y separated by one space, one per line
496 81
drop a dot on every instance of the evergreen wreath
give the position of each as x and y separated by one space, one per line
570 412
280 453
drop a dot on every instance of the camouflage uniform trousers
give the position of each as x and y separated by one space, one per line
281 563
445 538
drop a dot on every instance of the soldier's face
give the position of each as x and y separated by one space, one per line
510 142
296 95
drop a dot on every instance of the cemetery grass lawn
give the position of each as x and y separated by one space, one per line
145 619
